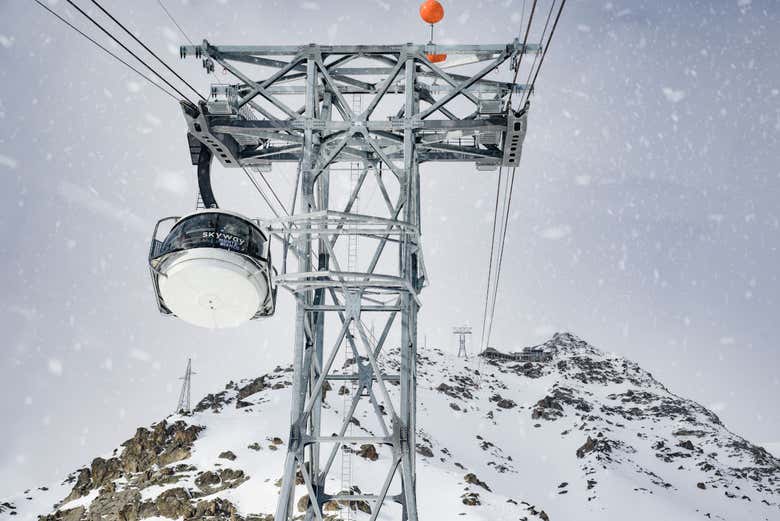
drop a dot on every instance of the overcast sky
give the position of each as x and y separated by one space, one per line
645 216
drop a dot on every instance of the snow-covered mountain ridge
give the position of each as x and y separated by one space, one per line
583 436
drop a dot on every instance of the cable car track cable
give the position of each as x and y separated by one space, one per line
490 263
547 46
260 191
249 176
128 50
525 42
107 51
273 192
142 44
527 93
170 16
508 198
494 275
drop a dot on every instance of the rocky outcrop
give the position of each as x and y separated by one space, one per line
254 387
551 406
599 445
471 499
123 505
336 505
143 462
174 503
210 482
215 402
228 455
502 402
472 479
73 514
368 451
162 445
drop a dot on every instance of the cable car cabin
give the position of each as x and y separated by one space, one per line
213 269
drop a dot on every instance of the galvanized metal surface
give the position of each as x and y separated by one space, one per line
441 115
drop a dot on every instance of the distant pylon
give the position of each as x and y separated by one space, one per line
184 396
462 332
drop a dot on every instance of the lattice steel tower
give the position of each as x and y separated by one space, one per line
183 405
292 107
461 333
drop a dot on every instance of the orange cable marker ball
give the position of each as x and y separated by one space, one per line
431 11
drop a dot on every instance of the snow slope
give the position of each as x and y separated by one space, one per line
586 436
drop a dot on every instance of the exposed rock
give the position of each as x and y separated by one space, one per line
163 445
148 509
368 451
216 508
228 455
424 450
206 480
502 402
472 479
255 386
591 445
303 503
335 505
551 407
687 444
123 505
462 388
82 487
73 514
471 499
103 471
174 503
215 402
210 481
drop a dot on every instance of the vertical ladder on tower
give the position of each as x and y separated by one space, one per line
355 171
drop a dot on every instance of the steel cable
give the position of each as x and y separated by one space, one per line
128 50
104 49
170 16
502 212
142 44
547 46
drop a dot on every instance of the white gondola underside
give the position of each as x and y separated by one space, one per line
212 287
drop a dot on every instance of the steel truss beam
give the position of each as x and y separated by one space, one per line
441 115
